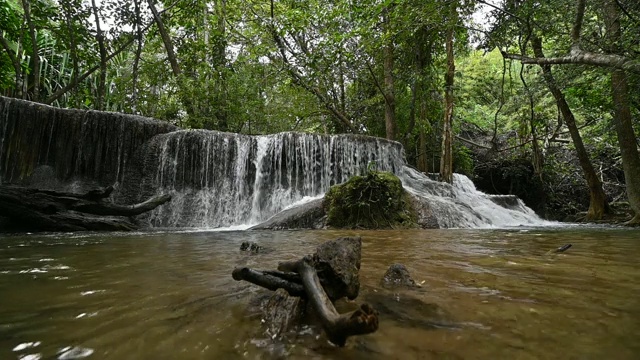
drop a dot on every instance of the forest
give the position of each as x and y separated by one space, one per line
537 99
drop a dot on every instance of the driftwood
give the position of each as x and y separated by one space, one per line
47 210
329 274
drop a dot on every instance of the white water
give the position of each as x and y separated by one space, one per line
460 205
222 180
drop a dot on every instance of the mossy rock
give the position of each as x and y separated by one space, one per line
374 201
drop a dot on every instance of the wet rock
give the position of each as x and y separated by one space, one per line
376 200
282 312
506 201
397 276
426 218
310 215
338 264
253 248
409 311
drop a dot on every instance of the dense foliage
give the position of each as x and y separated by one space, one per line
376 67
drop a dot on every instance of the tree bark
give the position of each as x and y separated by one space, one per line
35 55
389 90
103 59
166 40
446 160
220 60
69 16
338 326
269 280
622 114
598 205
136 59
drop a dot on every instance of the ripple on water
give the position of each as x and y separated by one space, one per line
91 292
75 352
26 345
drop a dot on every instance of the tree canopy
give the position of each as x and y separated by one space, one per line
516 78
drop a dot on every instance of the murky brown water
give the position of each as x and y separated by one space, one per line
171 295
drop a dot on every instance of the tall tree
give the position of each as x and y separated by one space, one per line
103 58
622 111
389 87
35 53
598 204
619 63
446 160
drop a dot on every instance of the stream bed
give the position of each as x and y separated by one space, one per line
486 294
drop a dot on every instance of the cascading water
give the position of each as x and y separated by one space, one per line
221 179
460 205
217 179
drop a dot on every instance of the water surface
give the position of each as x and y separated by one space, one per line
170 295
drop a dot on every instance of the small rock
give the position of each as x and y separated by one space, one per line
251 247
398 276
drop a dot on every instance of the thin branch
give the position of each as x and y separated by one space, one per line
581 57
376 83
577 25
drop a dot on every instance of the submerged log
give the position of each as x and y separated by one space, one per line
337 326
47 210
329 274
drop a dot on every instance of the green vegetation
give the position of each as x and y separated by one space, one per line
374 201
419 72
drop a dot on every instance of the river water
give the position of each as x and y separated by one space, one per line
486 294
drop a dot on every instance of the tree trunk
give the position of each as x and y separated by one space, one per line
389 91
622 114
69 16
220 60
99 105
166 40
35 55
15 62
136 59
598 205
446 160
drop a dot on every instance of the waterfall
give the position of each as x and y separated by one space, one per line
222 179
217 179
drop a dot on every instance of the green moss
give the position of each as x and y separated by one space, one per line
374 201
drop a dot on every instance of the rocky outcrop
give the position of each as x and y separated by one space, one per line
310 215
70 149
376 200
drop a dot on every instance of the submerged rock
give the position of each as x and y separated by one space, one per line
282 312
253 248
398 276
410 311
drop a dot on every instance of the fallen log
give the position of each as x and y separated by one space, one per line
269 280
46 210
337 326
329 274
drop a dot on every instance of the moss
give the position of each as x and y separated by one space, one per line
374 201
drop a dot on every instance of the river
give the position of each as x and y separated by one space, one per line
486 294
